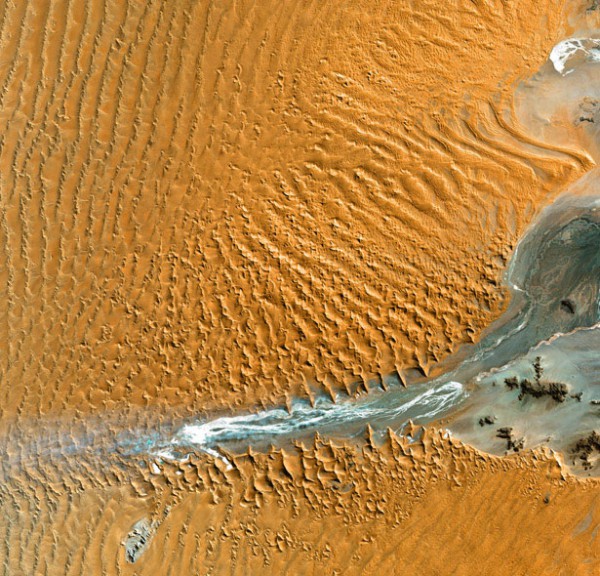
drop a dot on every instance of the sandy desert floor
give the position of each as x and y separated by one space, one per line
224 205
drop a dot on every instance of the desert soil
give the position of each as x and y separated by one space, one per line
222 204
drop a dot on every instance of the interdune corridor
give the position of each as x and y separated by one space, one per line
218 205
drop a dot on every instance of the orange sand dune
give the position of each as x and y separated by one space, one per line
213 204
218 204
431 507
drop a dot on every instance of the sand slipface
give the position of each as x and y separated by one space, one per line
223 205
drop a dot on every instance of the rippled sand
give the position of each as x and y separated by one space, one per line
218 205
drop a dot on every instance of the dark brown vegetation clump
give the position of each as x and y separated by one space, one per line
556 390
585 447
487 420
538 388
567 305
512 442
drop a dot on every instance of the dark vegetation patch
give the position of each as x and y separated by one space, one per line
512 442
487 420
585 447
538 388
567 306
589 110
